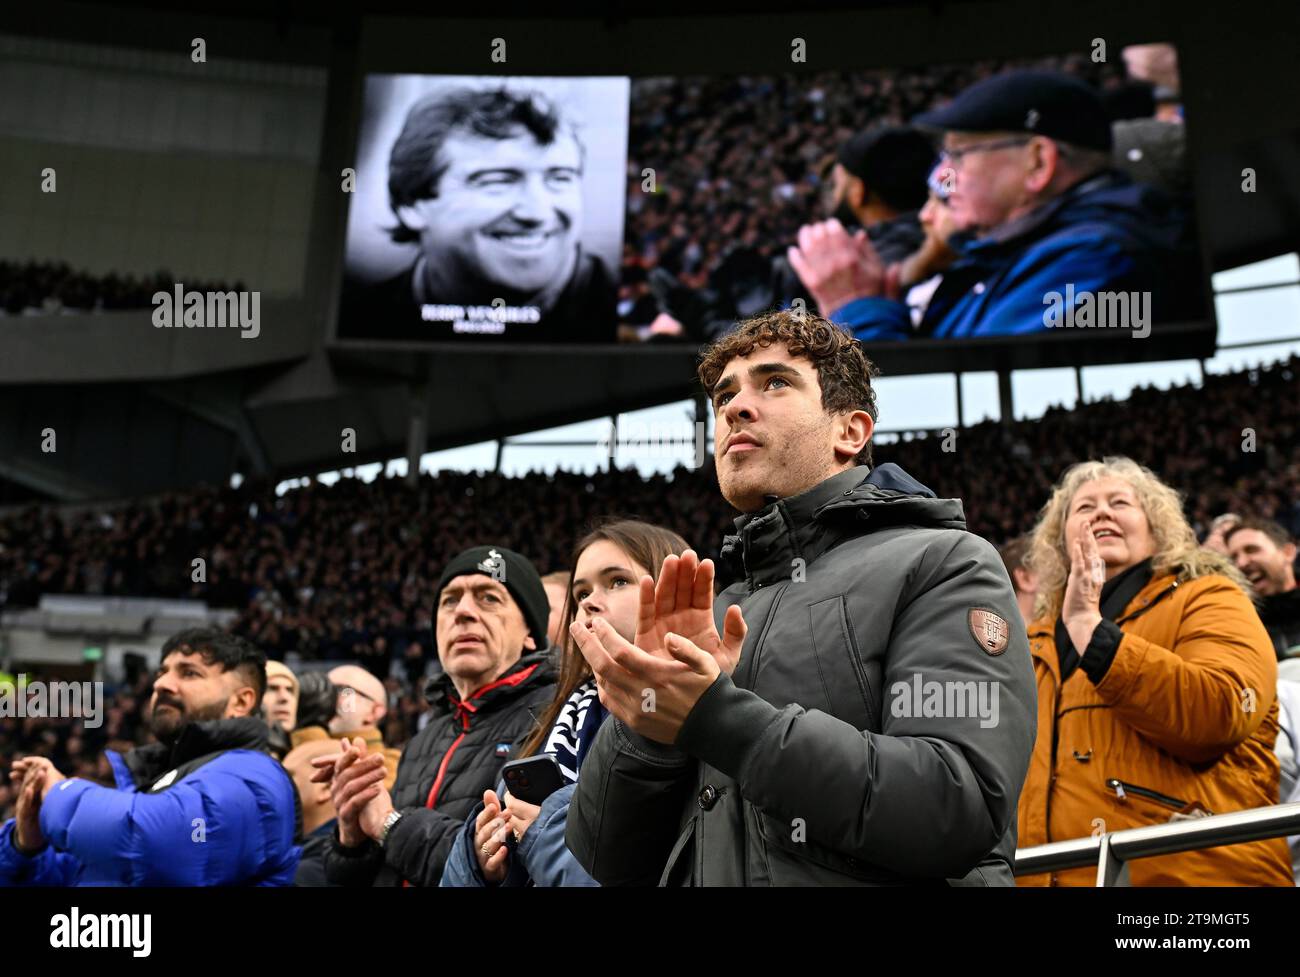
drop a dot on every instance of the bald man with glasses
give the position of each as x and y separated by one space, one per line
360 708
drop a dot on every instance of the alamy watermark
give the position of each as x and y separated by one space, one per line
75 930
53 700
179 309
945 700
1098 310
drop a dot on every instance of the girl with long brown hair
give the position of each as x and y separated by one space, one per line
510 842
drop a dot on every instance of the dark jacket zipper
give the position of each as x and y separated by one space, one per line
752 671
751 674
855 662
1051 773
1123 787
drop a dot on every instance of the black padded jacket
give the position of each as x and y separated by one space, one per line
443 773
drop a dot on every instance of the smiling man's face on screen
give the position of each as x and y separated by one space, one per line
508 211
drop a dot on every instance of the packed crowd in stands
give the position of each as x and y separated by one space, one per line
346 571
74 747
1229 446
740 162
51 287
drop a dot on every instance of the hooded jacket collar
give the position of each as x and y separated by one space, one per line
1046 214
766 544
148 763
531 669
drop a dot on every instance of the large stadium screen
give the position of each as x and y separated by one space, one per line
1004 201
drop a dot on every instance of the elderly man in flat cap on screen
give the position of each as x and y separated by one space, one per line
1041 212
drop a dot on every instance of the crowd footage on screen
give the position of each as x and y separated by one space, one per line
931 203
1043 180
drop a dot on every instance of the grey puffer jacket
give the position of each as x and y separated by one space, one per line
878 726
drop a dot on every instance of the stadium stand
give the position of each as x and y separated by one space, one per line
43 287
346 571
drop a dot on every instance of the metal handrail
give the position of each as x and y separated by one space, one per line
1058 855
1112 851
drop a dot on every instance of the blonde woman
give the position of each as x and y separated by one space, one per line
1156 681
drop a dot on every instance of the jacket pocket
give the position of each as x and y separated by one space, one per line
848 692
1177 808
793 859
677 871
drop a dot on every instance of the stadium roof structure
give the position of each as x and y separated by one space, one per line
136 410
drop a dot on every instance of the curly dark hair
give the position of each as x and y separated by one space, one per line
843 370
230 651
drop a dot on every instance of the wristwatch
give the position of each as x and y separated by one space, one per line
392 819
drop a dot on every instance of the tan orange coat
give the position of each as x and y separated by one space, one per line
374 741
1187 709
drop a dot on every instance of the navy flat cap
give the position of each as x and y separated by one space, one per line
1040 102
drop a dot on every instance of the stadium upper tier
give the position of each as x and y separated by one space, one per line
336 570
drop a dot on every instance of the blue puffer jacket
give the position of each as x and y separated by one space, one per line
213 809
1106 234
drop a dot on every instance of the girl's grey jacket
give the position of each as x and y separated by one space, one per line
876 731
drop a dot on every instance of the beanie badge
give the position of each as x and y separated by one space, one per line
494 565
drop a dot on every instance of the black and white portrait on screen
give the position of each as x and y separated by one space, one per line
486 208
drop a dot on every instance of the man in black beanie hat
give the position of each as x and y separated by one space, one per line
490 629
877 183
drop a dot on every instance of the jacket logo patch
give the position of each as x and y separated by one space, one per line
165 780
494 565
503 749
990 631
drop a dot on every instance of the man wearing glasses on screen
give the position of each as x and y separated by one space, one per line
488 184
921 272
1027 165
